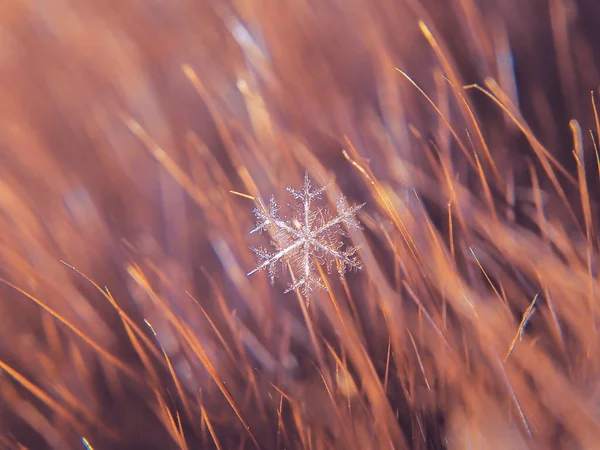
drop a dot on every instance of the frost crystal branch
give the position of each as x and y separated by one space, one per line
307 238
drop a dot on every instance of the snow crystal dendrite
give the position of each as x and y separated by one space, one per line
311 236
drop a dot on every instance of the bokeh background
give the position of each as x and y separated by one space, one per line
126 316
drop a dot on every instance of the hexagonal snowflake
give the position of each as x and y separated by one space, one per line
311 236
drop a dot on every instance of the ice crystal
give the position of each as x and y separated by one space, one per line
311 236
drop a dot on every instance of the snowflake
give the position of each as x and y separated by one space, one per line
307 238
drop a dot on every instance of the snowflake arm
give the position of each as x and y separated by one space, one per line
270 259
345 216
269 217
345 259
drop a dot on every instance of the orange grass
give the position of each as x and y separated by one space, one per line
138 136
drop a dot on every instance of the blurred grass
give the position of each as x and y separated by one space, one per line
126 317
